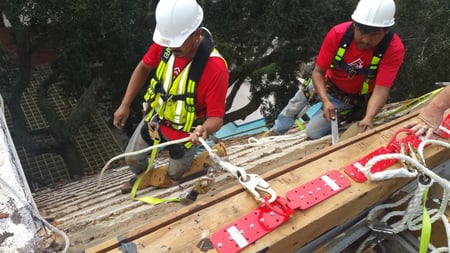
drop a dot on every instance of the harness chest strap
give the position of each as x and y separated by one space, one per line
174 100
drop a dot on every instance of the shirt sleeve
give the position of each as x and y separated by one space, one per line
153 55
213 86
217 95
328 49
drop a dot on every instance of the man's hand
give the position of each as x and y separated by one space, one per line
365 124
424 125
199 131
121 116
329 111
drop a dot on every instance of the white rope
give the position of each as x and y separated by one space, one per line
228 166
254 142
421 168
2 105
145 150
412 216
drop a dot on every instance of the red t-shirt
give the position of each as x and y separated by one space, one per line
211 90
387 68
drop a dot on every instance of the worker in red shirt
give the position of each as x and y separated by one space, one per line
186 96
354 71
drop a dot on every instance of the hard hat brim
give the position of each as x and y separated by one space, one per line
358 20
166 42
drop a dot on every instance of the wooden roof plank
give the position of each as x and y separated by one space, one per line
182 230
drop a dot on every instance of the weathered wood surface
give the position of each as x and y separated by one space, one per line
182 230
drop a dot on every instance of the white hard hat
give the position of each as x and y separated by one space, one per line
175 21
376 13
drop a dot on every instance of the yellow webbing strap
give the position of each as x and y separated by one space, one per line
190 105
365 87
148 199
299 124
426 225
410 104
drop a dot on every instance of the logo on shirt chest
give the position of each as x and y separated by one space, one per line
176 71
358 63
353 67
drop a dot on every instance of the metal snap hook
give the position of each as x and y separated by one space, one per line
255 184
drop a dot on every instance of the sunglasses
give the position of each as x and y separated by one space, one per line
367 29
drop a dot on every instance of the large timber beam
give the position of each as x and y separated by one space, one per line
185 229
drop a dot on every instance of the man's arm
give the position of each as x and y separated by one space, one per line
318 78
376 102
431 116
210 126
433 113
135 84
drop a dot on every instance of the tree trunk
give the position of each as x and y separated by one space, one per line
72 159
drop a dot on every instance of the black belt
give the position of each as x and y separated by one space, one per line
353 99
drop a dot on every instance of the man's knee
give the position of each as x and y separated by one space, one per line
313 133
294 109
135 164
175 172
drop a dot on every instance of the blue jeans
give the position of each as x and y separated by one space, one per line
139 163
317 127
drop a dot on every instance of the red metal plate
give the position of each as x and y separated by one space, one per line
410 137
246 230
444 128
394 146
353 169
317 190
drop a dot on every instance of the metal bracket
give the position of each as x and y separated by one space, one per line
444 129
353 169
317 190
394 146
249 228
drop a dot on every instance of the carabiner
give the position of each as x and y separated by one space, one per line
203 184
255 184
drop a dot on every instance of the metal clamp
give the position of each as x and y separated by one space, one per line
203 184
255 184
381 230
153 130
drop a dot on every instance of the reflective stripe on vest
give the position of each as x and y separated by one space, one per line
174 99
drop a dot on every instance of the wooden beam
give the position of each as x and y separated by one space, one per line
183 230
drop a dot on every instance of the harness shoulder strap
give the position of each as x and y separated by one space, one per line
200 59
165 55
345 42
378 54
195 72
381 48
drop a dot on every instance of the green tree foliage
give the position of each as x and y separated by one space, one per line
266 43
93 57
424 27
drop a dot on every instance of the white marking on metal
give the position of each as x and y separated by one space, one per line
330 182
237 236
